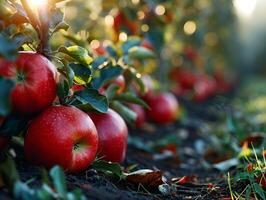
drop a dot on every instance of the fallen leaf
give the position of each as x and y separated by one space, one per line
252 140
146 177
163 156
170 148
214 157
211 186
108 168
181 181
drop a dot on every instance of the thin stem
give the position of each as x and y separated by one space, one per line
44 12
230 187
32 17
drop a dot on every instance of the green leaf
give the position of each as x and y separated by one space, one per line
137 78
131 98
78 53
92 98
258 189
70 74
231 124
8 171
45 193
61 26
124 111
74 39
8 48
140 53
131 42
83 74
99 62
248 192
108 168
45 176
19 39
75 195
23 192
6 87
62 88
56 19
112 51
106 74
111 91
14 125
156 36
242 176
59 180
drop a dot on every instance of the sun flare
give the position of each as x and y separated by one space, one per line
245 8
37 3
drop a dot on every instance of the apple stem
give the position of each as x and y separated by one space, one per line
43 47
32 17
41 26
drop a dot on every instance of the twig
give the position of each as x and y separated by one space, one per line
32 17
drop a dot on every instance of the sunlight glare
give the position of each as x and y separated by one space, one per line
245 8
37 3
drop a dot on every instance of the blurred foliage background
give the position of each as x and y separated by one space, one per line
199 34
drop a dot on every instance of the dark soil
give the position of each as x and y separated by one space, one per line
188 162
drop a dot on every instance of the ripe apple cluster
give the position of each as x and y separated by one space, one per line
200 85
65 135
60 135
163 106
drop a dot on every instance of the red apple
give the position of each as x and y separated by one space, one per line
223 84
63 136
3 141
204 88
140 112
119 81
180 91
35 81
185 78
164 108
148 83
113 132
122 23
190 53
